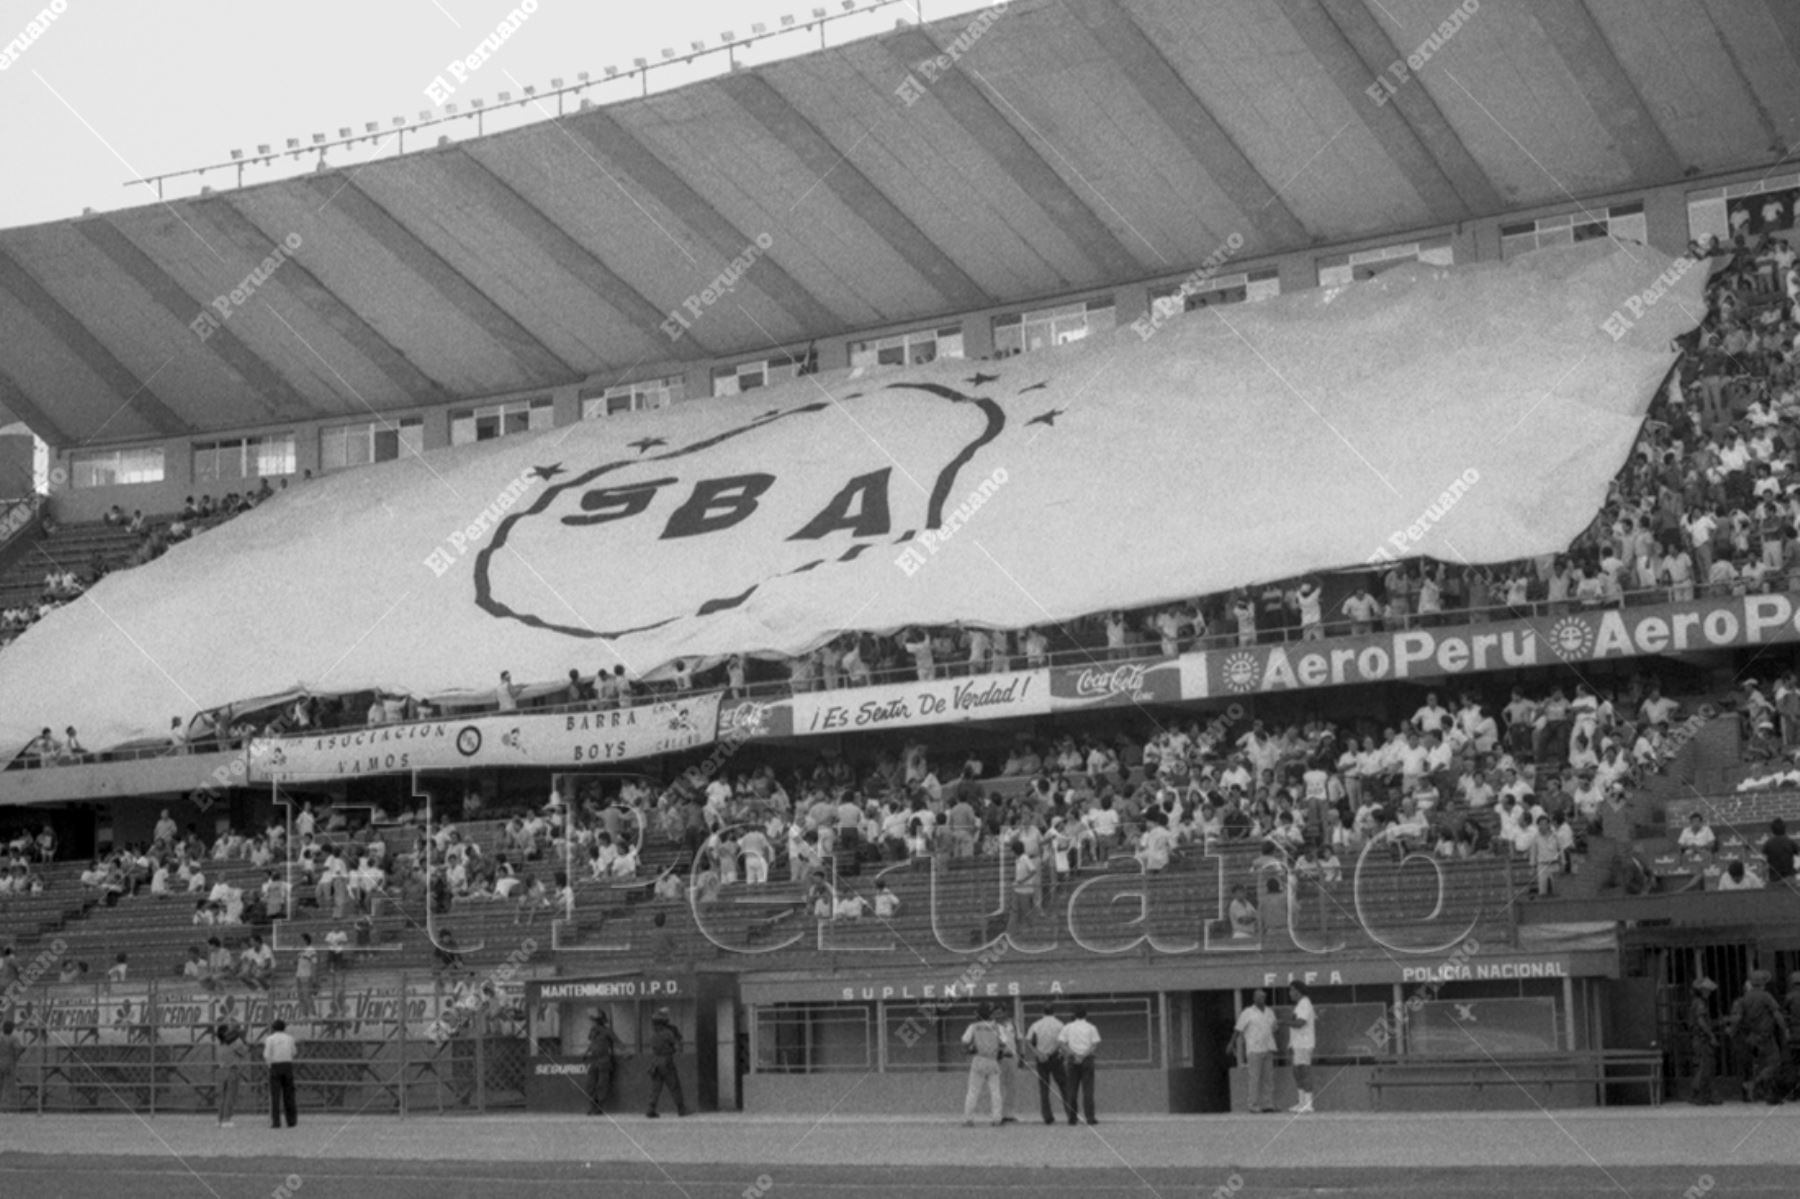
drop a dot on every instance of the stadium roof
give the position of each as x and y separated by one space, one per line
1074 144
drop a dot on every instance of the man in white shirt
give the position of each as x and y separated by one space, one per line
1697 836
1078 1040
1255 1036
1302 1037
279 1052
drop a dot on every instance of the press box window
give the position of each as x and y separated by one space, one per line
1025 331
114 468
501 420
749 376
244 458
1623 221
908 349
643 396
1174 298
376 441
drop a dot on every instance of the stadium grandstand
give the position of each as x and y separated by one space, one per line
1035 510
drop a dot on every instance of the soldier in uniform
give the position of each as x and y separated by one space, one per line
1764 1028
1793 1015
1703 1041
665 1043
603 1044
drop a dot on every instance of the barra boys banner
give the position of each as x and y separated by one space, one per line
1580 636
515 739
1230 446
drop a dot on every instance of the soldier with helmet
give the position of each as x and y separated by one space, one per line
1763 1025
665 1043
1703 1042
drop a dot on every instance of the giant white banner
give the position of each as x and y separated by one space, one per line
1470 412
572 739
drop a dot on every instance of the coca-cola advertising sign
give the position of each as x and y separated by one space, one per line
1113 684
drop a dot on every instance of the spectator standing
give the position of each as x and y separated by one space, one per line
279 1051
1255 1036
306 972
1079 1039
1779 851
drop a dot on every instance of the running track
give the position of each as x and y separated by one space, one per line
1638 1153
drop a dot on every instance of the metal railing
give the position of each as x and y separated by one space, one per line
155 1057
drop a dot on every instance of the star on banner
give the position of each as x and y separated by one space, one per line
643 445
546 473
1047 418
977 379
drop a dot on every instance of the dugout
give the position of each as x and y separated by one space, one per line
561 1011
882 1042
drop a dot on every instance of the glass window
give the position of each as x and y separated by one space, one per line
273 454
1486 1027
908 349
632 397
500 420
345 446
218 461
814 1038
112 468
928 1037
1051 326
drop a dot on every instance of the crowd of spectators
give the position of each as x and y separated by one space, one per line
64 583
1534 779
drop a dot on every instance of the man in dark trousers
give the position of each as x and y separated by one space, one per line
1763 1025
665 1043
1045 1055
1079 1039
603 1044
1703 1042
279 1052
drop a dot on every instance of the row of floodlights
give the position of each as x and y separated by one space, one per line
373 128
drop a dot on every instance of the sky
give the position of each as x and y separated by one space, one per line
110 92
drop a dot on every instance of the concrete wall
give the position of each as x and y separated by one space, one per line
1118 1091
1745 811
